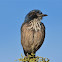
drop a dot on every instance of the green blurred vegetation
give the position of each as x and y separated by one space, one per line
30 58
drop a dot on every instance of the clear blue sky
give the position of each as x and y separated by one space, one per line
12 14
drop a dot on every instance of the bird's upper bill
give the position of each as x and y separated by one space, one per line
45 15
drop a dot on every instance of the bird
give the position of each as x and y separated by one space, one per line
32 32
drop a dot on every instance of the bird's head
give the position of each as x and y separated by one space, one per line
37 14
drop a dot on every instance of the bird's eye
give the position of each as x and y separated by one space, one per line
30 22
41 13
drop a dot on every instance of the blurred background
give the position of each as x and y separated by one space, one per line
12 15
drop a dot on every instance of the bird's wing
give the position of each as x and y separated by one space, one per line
26 37
43 33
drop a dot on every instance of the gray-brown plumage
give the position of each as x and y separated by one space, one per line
32 32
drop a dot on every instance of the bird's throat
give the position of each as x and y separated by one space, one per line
35 25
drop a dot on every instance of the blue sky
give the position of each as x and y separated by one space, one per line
12 14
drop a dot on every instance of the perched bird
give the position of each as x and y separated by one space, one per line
32 32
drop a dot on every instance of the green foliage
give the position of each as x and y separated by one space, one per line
31 58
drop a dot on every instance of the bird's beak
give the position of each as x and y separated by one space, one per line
44 15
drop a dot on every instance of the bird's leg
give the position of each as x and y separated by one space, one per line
26 58
27 55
